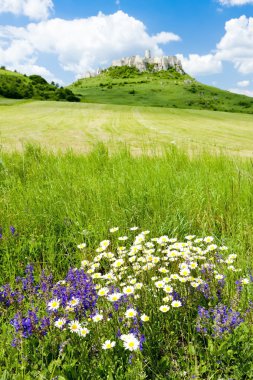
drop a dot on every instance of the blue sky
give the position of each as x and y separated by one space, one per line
63 39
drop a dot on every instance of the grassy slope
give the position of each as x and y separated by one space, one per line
14 73
78 126
163 89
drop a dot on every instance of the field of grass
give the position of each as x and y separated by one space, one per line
59 125
126 86
52 202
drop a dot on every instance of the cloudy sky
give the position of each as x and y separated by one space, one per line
63 39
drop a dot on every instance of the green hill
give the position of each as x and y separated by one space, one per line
17 86
127 86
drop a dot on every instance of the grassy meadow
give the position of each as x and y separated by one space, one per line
51 202
61 125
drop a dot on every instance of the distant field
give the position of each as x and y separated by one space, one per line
79 126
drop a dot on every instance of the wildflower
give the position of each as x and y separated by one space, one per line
167 299
163 240
159 284
97 318
164 308
190 237
212 247
194 284
208 239
130 313
81 246
84 263
105 244
107 345
73 302
176 304
224 248
54 304
96 275
245 281
128 290
103 292
114 229
134 228
13 230
163 270
83 331
144 318
168 289
184 272
69 308
74 326
123 238
138 285
139 239
118 263
130 342
219 276
183 279
174 276
60 323
114 297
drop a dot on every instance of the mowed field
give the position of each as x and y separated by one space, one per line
57 125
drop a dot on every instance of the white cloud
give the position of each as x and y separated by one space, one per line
243 83
81 44
235 2
34 9
201 64
165 37
236 45
241 91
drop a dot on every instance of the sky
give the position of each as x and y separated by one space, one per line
62 40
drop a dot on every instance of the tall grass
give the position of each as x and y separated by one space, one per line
55 201
51 202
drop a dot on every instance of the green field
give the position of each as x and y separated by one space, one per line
59 125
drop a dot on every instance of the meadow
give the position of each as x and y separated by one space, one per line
169 300
59 125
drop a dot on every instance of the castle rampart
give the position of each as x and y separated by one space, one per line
143 63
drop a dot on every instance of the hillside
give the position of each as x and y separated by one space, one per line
17 86
127 86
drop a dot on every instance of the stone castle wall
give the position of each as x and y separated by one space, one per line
142 63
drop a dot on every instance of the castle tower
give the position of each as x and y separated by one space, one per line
147 54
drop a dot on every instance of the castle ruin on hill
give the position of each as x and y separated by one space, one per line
144 63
